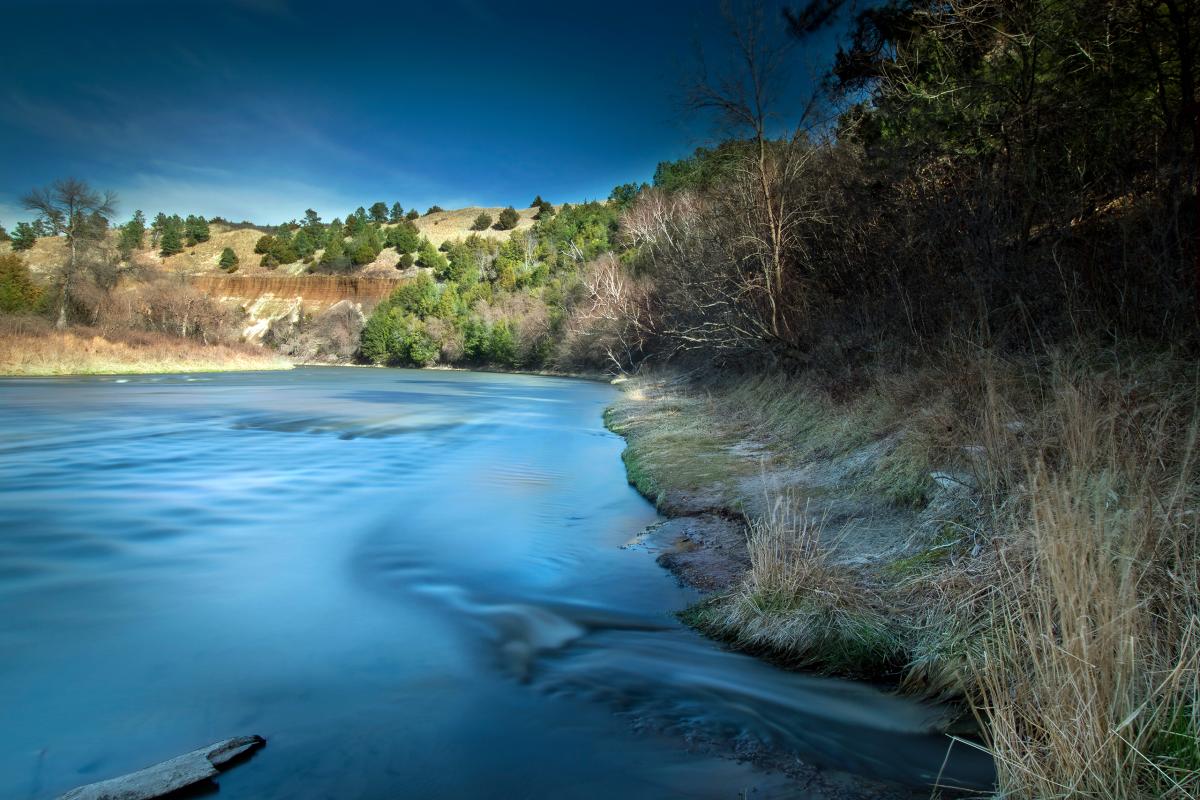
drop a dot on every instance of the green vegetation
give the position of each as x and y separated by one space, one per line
18 293
132 235
24 237
482 222
228 260
508 219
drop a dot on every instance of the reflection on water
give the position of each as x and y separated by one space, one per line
409 582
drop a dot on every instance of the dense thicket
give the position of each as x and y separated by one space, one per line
1025 171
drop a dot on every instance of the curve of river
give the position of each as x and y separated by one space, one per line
412 583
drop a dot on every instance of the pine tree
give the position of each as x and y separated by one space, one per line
171 242
397 213
133 235
379 212
537 201
482 222
508 219
228 260
412 215
335 249
23 237
4 237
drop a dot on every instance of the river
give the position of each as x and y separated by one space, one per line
412 583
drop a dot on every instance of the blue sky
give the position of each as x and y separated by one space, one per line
259 109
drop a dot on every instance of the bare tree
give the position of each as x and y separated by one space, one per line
72 209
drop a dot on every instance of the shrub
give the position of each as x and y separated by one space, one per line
404 237
412 215
24 237
482 222
434 210
405 262
362 253
508 219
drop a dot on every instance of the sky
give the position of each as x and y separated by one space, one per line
260 109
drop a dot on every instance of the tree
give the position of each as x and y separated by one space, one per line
429 257
171 241
4 237
405 261
24 237
413 214
396 214
228 260
196 230
623 196
18 292
133 235
508 219
361 253
434 210
335 249
404 237
379 212
482 222
537 201
545 211
263 245
71 208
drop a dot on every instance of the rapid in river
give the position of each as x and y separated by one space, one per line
412 583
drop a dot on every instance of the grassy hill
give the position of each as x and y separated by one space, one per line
438 227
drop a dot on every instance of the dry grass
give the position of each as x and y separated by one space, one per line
31 348
443 226
1088 677
1061 598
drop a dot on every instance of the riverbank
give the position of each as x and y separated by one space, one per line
37 349
964 531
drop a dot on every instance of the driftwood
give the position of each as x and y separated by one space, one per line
169 776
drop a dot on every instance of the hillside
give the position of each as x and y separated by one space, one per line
437 227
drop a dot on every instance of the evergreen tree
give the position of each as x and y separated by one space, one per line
304 244
412 215
171 241
434 210
545 211
508 219
361 253
379 212
396 214
24 237
537 201
404 237
4 237
133 235
405 261
430 258
335 249
196 230
482 222
264 243
353 225
18 292
360 214
228 260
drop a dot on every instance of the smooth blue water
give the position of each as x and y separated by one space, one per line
412 583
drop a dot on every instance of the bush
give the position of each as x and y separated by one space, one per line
413 214
404 237
482 222
434 210
508 219
430 258
405 262
362 254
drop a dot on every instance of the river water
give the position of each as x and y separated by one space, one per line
411 582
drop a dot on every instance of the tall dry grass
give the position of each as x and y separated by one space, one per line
1087 681
798 605
30 347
